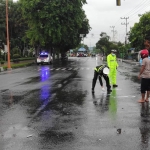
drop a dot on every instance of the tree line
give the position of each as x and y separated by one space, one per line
52 25
136 38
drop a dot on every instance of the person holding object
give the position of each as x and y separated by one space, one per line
144 75
101 71
113 65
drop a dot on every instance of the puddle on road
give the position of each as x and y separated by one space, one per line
56 136
135 79
132 77
9 98
65 102
33 80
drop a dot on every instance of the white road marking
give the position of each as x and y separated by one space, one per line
63 69
70 69
58 69
75 69
64 82
59 85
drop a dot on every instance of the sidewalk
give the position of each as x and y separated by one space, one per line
129 61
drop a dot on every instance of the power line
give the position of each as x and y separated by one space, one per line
113 37
126 24
135 8
138 6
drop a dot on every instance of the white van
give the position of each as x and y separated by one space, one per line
44 58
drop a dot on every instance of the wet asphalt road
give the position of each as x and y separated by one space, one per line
51 107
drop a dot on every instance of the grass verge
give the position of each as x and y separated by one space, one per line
19 65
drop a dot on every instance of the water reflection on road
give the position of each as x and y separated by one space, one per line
45 88
145 126
106 102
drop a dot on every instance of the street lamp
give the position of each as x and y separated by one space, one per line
7 30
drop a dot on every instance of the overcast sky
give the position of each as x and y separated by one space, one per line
104 13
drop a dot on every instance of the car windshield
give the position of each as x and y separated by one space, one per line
43 55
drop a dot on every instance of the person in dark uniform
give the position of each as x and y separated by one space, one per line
101 71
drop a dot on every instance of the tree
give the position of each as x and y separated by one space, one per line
105 46
139 31
103 43
55 24
17 25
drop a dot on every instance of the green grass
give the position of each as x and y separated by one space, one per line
19 65
25 58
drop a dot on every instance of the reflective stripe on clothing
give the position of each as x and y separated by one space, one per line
111 61
98 69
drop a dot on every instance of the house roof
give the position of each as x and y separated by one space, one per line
82 49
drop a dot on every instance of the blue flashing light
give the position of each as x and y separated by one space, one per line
43 53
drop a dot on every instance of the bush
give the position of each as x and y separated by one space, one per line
2 62
18 65
15 56
16 60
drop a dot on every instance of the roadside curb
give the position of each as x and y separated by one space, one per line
129 61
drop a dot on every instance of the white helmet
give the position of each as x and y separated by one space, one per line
105 70
113 50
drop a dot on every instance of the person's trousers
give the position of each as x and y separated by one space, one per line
100 80
145 85
112 75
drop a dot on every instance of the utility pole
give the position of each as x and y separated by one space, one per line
90 39
7 31
113 38
126 24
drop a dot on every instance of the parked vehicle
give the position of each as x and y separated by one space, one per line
135 56
82 54
44 58
93 55
85 55
64 56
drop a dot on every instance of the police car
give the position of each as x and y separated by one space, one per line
44 58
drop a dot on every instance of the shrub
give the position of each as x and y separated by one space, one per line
15 56
16 60
2 62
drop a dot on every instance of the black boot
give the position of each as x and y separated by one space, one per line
115 85
93 90
109 90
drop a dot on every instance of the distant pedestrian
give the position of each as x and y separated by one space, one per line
102 57
101 71
147 46
144 75
113 65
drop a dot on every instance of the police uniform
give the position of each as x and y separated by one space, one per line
113 65
98 71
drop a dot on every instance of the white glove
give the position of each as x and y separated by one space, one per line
103 89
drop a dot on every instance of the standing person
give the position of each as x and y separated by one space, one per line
101 71
144 75
113 65
147 46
